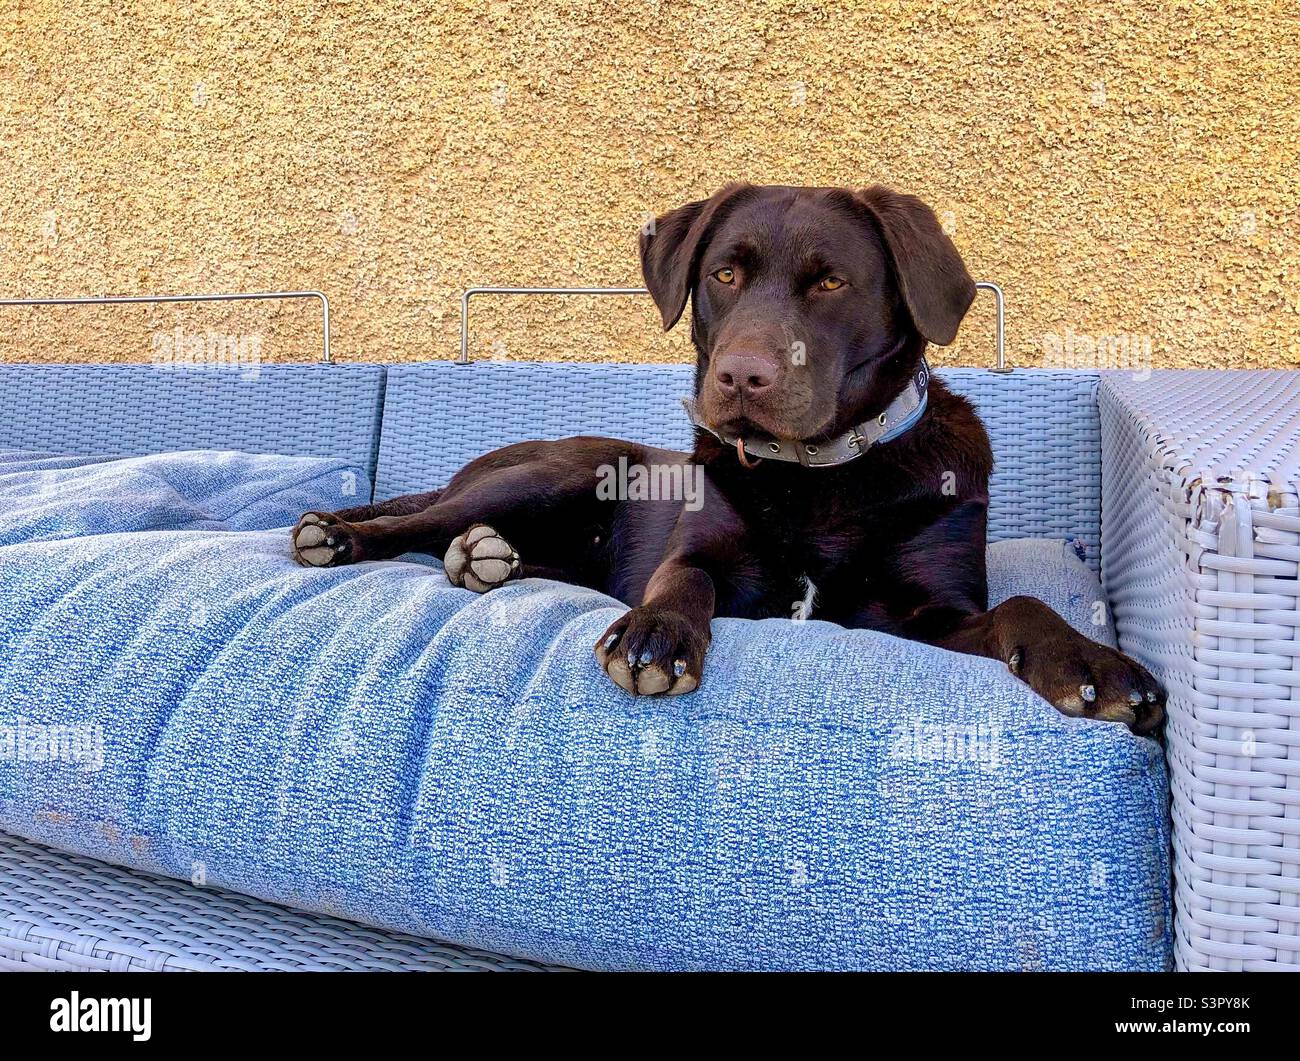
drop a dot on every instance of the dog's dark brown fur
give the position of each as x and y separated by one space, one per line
893 541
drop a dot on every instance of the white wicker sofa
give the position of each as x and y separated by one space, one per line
1199 547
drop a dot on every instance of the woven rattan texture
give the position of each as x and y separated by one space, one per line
1201 562
68 913
438 416
1047 451
297 410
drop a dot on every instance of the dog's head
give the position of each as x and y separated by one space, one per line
808 304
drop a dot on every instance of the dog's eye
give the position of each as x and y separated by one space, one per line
831 283
725 276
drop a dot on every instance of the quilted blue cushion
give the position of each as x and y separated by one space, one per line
376 744
52 496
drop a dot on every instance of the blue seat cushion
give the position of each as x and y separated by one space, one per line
45 495
373 743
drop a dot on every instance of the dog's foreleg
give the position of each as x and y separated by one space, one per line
658 647
1078 676
397 506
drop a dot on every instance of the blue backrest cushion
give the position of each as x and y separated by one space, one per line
129 410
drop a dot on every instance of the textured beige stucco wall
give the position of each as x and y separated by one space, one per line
1125 169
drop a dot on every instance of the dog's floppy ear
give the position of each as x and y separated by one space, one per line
670 249
936 286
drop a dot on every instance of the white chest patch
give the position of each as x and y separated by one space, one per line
803 609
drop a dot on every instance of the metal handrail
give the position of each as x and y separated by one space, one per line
109 300
1000 332
984 285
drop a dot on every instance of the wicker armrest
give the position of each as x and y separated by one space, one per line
1200 559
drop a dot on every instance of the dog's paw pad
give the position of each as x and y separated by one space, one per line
480 559
653 680
321 541
311 534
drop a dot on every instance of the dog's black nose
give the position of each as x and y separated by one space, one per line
744 372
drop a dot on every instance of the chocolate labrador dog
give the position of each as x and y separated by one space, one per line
832 476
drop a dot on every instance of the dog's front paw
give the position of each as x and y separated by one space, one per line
323 540
650 651
1080 677
480 559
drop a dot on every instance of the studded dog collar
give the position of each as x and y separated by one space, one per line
899 417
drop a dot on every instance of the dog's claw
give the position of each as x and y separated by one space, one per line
1084 679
